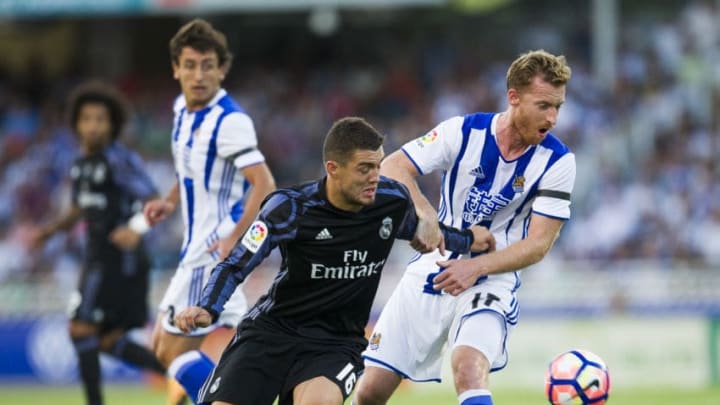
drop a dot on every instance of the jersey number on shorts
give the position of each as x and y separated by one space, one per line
347 377
489 299
171 315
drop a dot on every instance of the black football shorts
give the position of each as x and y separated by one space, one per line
257 368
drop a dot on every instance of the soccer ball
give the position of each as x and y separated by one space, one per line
577 377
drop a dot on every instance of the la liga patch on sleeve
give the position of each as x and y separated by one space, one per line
255 236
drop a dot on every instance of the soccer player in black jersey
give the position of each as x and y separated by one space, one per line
302 340
108 183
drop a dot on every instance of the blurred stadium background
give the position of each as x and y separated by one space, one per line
635 275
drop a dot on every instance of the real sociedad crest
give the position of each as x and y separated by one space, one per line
375 341
386 228
518 184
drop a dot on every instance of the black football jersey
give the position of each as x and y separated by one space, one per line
331 259
105 186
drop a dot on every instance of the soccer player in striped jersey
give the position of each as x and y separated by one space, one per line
109 184
302 340
221 180
507 172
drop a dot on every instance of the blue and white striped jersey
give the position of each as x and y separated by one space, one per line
480 187
209 147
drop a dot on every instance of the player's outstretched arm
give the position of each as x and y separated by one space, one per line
64 223
191 318
259 240
427 236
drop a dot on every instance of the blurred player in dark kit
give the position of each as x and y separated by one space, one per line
109 186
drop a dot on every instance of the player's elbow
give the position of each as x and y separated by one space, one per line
397 166
270 185
265 185
164 354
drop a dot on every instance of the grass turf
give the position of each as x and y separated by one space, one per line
145 395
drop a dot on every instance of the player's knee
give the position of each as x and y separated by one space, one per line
318 397
365 396
79 330
160 348
108 340
369 393
163 350
470 368
368 397
163 353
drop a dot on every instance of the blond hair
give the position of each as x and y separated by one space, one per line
551 68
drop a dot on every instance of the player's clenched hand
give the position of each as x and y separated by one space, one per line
428 236
483 240
157 210
191 318
458 276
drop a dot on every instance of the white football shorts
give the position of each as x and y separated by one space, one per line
185 290
415 327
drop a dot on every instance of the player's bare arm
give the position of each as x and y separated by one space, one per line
64 223
191 318
263 183
461 274
427 236
159 209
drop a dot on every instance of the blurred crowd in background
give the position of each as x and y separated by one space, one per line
648 185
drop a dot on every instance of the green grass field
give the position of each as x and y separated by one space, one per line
141 395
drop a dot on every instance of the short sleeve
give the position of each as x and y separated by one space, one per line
437 149
237 140
555 189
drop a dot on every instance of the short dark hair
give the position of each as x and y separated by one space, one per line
348 135
101 93
200 35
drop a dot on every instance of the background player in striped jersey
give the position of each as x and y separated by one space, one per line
303 339
507 172
221 180
108 183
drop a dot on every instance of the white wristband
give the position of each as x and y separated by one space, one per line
138 224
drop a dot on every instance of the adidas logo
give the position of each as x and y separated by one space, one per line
477 172
324 235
